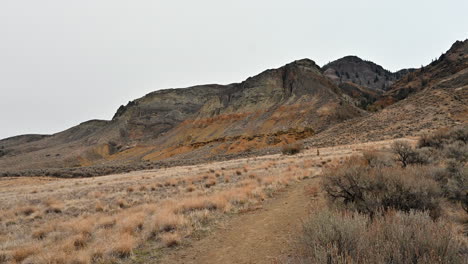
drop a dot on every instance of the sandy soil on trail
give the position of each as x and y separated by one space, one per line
261 236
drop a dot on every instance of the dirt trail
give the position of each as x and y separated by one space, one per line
260 236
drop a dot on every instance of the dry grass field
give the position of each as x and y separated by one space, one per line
105 219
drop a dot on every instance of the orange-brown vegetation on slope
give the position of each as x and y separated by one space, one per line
235 144
204 122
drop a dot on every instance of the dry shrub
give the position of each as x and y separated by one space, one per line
131 222
53 206
122 245
99 207
457 151
408 155
171 182
291 149
455 183
26 210
79 241
444 137
210 182
121 203
377 159
80 257
369 190
21 253
200 218
53 256
397 237
106 222
238 196
83 225
171 239
212 202
97 252
166 220
190 188
43 231
4 256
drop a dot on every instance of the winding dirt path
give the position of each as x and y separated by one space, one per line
267 235
261 236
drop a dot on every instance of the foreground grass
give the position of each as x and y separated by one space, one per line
108 219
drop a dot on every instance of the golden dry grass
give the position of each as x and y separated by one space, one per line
106 218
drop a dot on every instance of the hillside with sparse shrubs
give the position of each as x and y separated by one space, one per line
408 204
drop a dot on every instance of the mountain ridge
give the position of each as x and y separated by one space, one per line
298 101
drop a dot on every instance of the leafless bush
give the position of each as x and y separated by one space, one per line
407 155
403 151
344 237
369 190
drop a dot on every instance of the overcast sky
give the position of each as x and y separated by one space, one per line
63 62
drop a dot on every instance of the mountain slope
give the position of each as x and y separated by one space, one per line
276 107
413 107
273 108
449 64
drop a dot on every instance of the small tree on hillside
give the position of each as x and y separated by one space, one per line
403 151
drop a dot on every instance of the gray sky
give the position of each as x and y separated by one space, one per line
63 62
